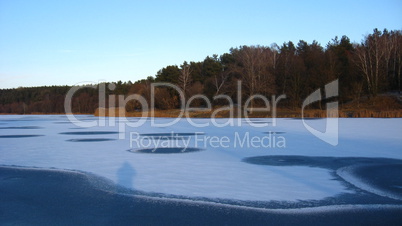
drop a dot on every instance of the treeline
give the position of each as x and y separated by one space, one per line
367 68
46 99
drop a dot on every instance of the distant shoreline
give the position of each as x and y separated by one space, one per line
381 107
174 113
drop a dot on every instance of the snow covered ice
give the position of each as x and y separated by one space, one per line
230 164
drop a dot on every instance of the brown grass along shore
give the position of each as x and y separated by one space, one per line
379 107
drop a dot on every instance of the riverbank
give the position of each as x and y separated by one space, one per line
383 106
281 113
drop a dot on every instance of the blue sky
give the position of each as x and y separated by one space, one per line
69 42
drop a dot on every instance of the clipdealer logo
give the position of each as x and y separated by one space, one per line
330 135
201 140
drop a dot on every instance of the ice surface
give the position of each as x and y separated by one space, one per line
382 180
215 172
60 197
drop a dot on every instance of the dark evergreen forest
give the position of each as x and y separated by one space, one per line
367 69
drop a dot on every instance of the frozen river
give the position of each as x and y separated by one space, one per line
256 164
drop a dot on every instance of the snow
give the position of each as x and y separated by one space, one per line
217 171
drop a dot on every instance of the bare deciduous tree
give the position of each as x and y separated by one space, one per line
370 58
254 64
220 80
185 79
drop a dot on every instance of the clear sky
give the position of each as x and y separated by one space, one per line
56 42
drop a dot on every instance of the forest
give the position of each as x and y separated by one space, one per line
366 69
